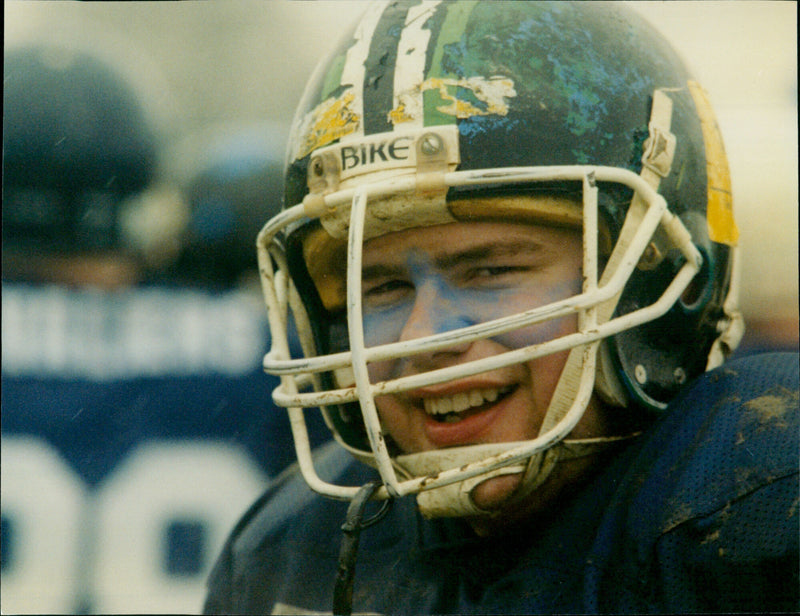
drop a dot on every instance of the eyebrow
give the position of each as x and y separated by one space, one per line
481 252
473 254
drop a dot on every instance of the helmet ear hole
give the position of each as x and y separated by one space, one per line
697 294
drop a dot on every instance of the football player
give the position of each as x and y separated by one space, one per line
509 247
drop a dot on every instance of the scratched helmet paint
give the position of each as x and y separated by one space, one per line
425 103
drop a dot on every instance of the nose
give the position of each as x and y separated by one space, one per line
433 312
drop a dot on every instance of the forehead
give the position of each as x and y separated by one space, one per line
477 239
504 224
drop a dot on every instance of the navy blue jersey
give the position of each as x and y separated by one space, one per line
699 514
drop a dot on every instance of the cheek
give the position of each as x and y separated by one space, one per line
385 326
398 423
542 332
382 371
545 373
537 334
382 329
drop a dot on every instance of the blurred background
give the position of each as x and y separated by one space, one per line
136 423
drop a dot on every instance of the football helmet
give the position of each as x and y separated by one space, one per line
426 104
236 186
76 144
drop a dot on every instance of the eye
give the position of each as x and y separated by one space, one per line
493 275
386 293
494 270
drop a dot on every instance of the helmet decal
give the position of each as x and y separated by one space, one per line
490 93
329 121
356 81
340 112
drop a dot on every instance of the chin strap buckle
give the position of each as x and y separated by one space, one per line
348 552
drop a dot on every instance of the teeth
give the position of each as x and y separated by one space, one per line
460 402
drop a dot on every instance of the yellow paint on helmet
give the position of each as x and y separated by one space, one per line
721 223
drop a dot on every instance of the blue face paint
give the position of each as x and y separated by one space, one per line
437 307
421 299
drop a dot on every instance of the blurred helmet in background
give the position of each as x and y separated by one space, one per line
76 145
236 187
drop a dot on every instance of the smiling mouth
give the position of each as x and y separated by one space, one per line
454 408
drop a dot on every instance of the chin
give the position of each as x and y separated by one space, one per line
496 496
493 493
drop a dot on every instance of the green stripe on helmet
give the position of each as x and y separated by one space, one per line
452 29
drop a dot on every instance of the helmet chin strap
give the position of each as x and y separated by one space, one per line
456 500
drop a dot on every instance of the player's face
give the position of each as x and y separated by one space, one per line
429 280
